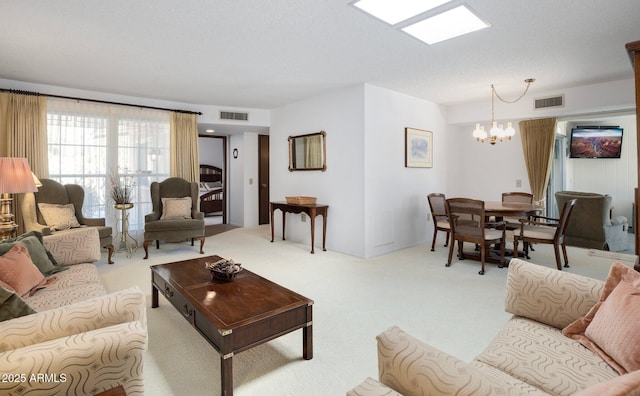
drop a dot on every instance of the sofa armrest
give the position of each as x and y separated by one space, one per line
74 246
79 364
124 306
371 387
412 368
549 296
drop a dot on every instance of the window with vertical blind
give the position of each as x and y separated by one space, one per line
93 145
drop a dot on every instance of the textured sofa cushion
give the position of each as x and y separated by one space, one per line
629 347
19 273
176 208
12 306
541 356
39 255
59 217
81 245
547 295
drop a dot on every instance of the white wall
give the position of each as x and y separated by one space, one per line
235 184
395 199
210 151
251 196
341 186
616 177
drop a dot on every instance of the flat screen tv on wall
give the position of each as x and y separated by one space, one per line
595 142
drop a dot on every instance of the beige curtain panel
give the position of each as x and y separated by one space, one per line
184 146
23 133
538 138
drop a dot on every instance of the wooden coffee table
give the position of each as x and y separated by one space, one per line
232 316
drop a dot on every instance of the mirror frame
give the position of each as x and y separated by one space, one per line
291 140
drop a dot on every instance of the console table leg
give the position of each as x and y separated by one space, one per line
226 375
313 230
324 232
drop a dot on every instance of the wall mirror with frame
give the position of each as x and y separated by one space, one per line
308 152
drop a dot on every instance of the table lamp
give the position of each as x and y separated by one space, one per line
15 177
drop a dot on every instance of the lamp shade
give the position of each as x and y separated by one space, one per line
16 176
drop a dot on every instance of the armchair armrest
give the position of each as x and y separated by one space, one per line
97 222
79 364
121 307
546 295
412 368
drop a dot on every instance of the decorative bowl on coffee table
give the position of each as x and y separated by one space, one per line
224 270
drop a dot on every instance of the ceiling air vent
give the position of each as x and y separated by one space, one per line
230 115
544 103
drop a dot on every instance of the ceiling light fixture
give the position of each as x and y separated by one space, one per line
444 26
497 132
396 11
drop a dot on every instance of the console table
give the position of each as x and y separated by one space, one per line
312 210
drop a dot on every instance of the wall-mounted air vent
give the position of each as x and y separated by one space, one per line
544 103
230 115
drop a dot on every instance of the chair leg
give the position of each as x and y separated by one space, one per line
564 253
502 247
433 242
192 241
556 250
145 245
515 248
110 249
202 239
157 244
526 245
482 257
446 242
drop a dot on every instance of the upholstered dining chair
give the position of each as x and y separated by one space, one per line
518 197
460 211
542 229
438 206
175 216
54 199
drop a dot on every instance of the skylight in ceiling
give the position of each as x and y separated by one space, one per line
394 11
432 29
449 24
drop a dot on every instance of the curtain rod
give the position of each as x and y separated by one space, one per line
20 92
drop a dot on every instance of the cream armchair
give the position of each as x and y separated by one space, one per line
81 349
591 224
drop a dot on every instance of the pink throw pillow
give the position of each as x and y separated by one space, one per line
19 273
612 327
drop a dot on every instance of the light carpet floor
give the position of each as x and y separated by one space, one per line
453 309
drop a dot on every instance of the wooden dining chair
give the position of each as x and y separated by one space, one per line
468 224
513 223
438 206
547 230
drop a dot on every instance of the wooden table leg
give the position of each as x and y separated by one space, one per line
284 217
226 375
307 336
324 231
271 210
154 297
312 214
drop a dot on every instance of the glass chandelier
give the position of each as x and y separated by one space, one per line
498 133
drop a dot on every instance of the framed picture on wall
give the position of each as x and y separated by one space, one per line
418 148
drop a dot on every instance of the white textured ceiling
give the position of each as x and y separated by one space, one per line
264 54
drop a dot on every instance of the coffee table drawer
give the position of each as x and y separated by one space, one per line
175 298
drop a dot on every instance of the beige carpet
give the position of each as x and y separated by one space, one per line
453 309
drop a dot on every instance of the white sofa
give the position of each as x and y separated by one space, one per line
81 340
530 355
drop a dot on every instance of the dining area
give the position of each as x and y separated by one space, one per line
489 226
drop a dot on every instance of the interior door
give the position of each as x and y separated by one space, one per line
263 179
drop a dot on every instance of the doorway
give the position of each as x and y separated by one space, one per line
557 177
263 179
212 151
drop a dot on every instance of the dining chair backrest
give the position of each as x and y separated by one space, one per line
466 217
517 196
563 221
438 206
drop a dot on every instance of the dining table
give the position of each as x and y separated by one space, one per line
500 210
